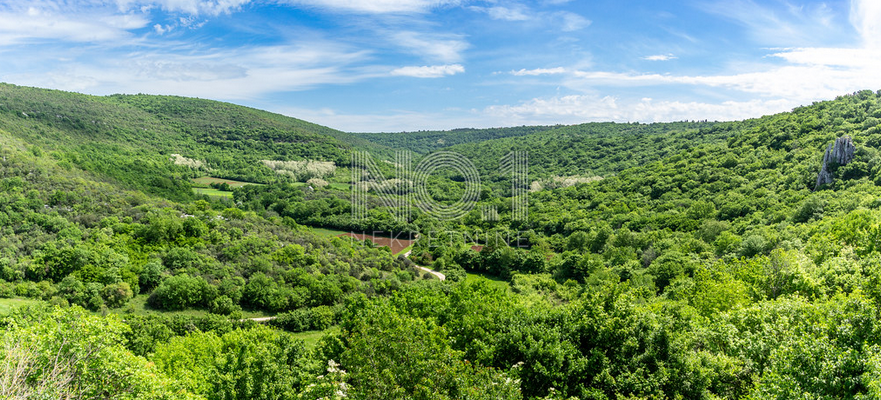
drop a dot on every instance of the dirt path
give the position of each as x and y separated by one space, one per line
430 271
260 319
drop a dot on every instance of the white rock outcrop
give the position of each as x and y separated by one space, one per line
839 152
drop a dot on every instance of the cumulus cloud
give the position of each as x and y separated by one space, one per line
434 71
162 29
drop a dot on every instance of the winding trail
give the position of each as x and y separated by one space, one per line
430 271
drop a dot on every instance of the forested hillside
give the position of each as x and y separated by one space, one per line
427 141
595 149
130 139
658 261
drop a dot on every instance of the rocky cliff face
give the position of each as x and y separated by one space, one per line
839 152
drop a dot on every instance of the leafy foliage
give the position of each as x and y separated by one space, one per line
701 265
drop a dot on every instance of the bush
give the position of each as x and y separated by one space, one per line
669 266
28 289
262 292
180 292
95 303
753 245
46 289
810 209
151 275
117 294
298 320
58 301
323 317
7 290
223 305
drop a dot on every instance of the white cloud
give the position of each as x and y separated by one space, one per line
376 6
506 14
572 109
571 22
539 71
586 108
126 21
660 57
185 70
852 58
865 16
808 74
95 21
19 27
391 121
800 83
788 26
434 71
228 74
518 13
192 7
162 29
443 48
564 20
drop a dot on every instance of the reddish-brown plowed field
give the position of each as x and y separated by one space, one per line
396 244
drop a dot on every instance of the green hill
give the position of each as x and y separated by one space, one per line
130 139
595 149
422 142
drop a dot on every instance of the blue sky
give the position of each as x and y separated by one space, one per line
394 65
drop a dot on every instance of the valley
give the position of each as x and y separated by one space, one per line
668 260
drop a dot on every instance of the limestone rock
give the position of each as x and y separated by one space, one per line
839 152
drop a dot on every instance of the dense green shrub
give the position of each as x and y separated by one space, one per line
180 292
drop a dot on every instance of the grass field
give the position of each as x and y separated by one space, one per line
205 181
311 337
212 192
6 305
326 232
494 281
208 180
139 304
